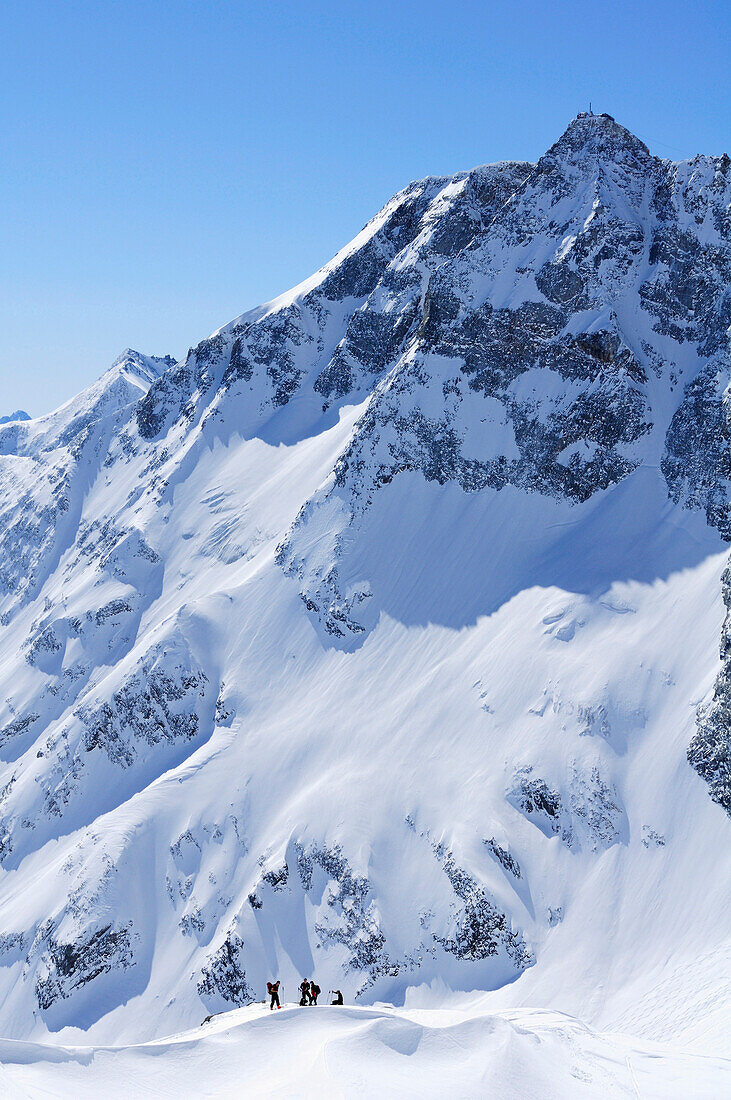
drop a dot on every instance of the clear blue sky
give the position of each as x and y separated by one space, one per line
166 165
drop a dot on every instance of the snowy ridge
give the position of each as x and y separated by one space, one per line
369 639
371 1052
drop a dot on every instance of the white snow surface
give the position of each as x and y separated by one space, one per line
368 1052
275 805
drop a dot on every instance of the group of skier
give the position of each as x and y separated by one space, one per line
310 991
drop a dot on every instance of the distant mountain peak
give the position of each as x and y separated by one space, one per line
141 367
18 415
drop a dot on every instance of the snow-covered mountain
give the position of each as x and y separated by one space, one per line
379 637
17 415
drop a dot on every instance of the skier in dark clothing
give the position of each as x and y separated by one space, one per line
314 992
338 997
273 991
305 991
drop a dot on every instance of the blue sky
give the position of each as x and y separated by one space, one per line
166 165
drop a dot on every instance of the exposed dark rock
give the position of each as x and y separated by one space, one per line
146 710
164 399
697 463
536 800
277 878
17 727
503 856
240 366
525 326
560 283
68 966
710 750
45 642
481 928
224 976
356 925
112 610
589 815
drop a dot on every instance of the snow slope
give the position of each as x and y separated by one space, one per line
350 1052
379 638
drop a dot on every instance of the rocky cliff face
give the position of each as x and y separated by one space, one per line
710 750
302 633
548 349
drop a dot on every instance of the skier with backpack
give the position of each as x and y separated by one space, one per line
338 998
314 992
273 991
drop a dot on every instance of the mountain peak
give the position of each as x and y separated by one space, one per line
135 360
597 137
398 542
141 370
18 415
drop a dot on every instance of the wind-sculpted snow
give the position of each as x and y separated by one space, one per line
353 1051
366 642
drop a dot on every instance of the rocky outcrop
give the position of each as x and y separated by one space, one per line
152 706
223 980
710 750
550 391
480 930
66 967
697 462
588 814
504 858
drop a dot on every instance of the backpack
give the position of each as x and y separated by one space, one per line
270 987
316 990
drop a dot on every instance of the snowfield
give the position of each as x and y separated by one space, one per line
385 639
368 1052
